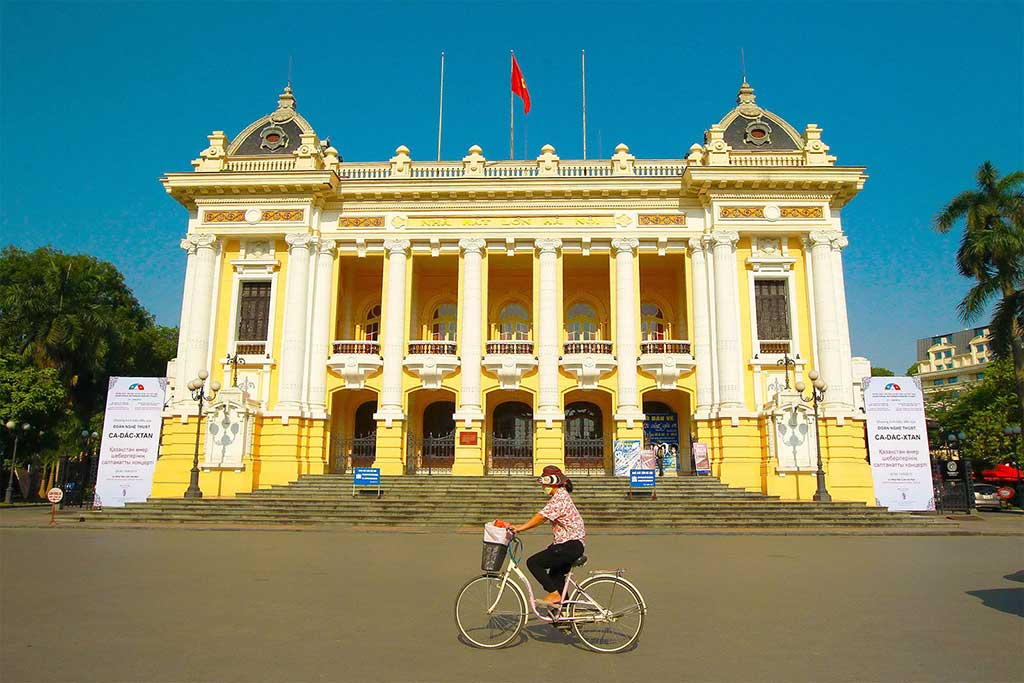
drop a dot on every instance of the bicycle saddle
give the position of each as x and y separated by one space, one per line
580 562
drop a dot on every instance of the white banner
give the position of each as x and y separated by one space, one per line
898 442
627 454
131 440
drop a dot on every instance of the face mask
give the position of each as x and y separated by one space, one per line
549 490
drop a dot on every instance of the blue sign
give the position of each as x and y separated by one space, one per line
641 478
661 434
366 476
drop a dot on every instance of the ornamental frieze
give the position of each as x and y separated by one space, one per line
361 222
253 216
771 212
659 219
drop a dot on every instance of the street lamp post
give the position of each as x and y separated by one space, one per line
12 425
818 389
199 394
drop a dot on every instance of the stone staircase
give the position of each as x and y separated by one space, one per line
682 502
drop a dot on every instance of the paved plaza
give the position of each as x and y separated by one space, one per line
166 604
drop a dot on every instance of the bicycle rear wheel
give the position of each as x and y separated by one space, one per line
615 622
484 618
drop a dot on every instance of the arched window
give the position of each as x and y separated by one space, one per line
653 325
514 323
581 323
583 420
442 323
371 326
438 419
513 420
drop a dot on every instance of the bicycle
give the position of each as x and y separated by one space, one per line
604 610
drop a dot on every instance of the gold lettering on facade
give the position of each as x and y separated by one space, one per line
507 221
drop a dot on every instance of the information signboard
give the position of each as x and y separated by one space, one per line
627 454
367 477
898 443
131 440
661 434
701 460
641 478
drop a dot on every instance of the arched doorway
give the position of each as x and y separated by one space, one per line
661 435
435 446
584 438
511 439
353 436
364 435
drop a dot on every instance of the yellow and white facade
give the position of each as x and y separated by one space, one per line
469 316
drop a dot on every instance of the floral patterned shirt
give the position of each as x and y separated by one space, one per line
566 522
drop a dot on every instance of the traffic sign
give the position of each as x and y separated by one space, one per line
1005 492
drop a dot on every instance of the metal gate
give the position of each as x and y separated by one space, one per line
78 480
355 451
584 456
511 455
951 480
430 454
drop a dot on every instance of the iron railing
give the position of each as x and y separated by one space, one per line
585 456
511 455
355 451
436 348
665 346
251 348
592 346
430 454
779 346
357 347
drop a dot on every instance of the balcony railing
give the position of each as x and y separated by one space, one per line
371 348
779 346
251 348
518 347
665 346
591 346
433 348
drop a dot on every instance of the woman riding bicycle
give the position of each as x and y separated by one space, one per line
551 565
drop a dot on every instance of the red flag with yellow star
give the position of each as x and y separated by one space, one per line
519 85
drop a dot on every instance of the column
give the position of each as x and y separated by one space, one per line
548 404
826 320
293 336
320 341
390 406
839 242
469 418
628 408
701 325
730 360
200 305
470 329
181 377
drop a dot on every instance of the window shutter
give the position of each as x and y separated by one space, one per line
254 311
771 299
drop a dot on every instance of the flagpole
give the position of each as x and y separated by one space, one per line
583 66
440 111
511 111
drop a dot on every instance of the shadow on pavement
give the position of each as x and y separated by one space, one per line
1016 576
1009 600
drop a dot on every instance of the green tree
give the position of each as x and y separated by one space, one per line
991 252
882 372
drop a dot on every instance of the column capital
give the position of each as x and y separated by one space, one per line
624 244
819 237
392 246
840 242
725 237
299 240
548 245
326 247
696 244
472 244
200 241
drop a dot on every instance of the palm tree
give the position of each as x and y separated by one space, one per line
992 253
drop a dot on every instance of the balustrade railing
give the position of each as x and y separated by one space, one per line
779 346
274 164
762 159
357 347
592 346
510 347
665 346
251 348
435 348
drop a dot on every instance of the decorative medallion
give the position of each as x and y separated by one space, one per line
772 212
658 219
223 216
273 138
361 222
253 216
757 133
802 212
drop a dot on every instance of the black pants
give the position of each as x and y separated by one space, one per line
550 565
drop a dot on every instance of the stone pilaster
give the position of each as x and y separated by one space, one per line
294 329
469 458
701 325
548 404
181 377
730 358
628 408
320 343
203 251
829 362
845 395
390 407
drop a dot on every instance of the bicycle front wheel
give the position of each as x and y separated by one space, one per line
607 614
488 615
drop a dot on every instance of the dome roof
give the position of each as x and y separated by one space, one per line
277 133
750 128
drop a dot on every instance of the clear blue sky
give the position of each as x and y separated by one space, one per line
99 100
